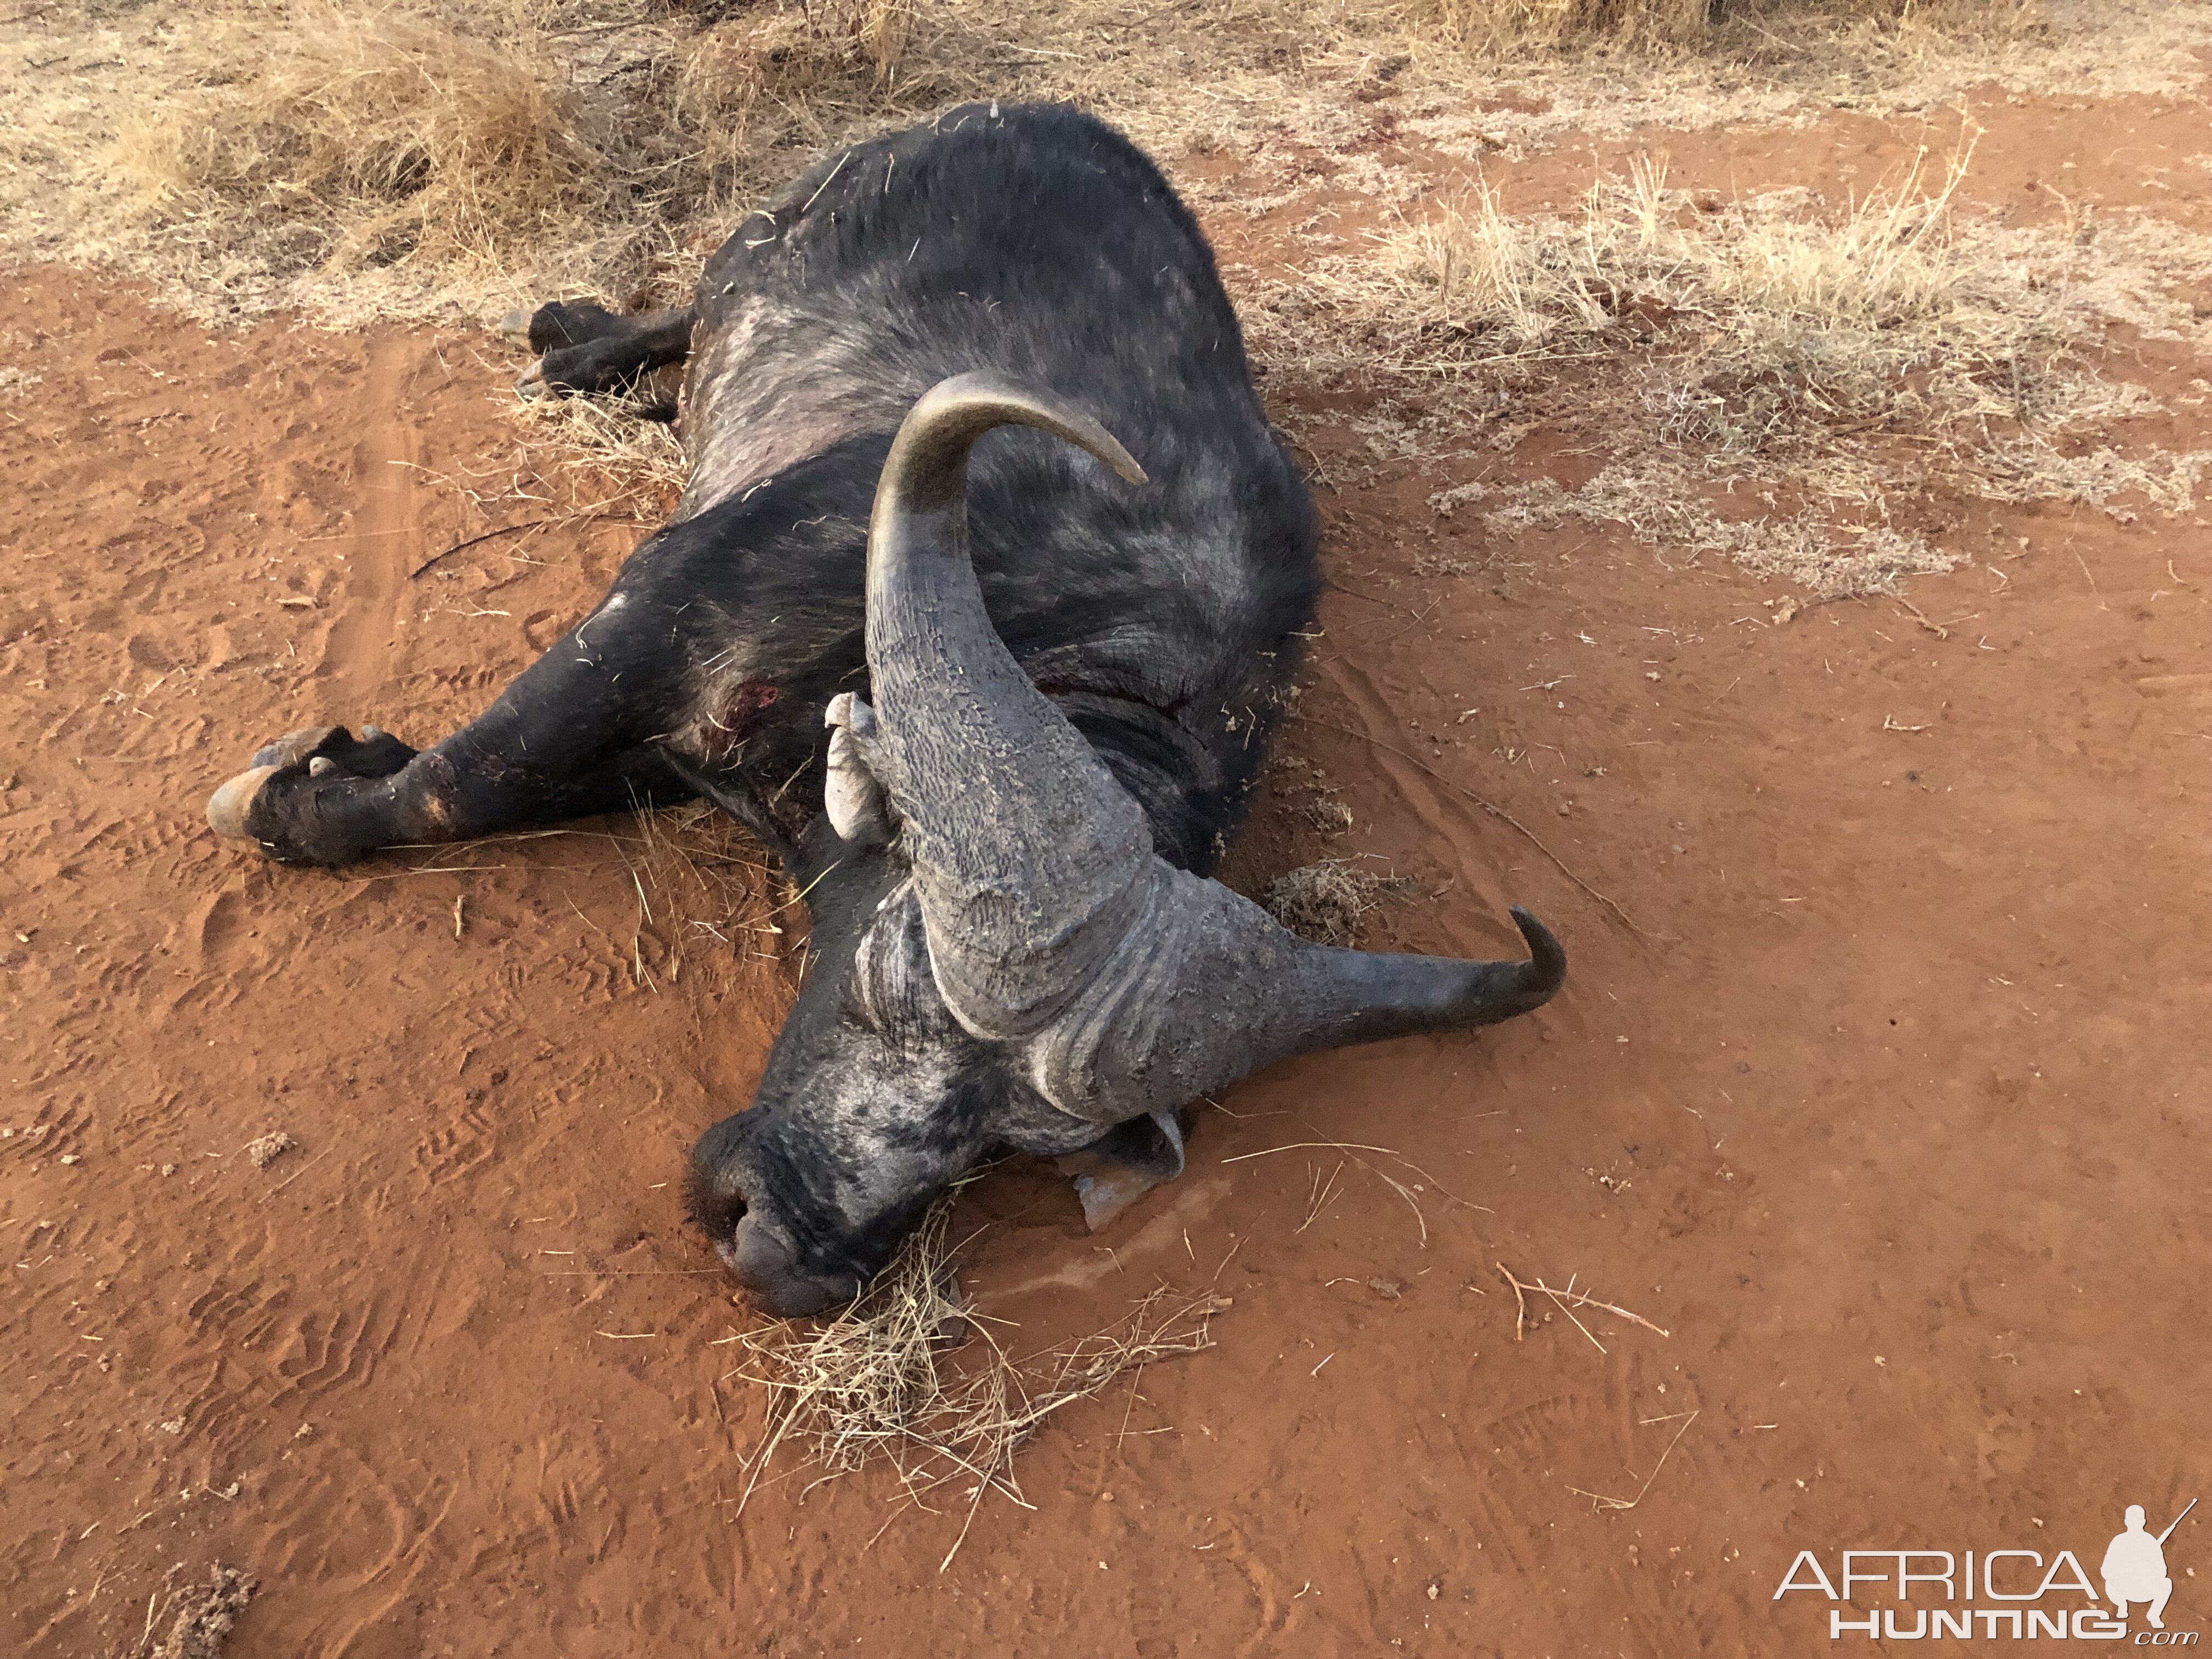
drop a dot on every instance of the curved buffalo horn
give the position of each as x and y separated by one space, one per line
1132 985
1026 852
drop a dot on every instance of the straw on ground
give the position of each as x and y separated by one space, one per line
910 1376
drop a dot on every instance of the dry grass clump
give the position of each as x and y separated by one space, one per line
1843 362
756 84
1489 28
1493 27
610 454
365 136
1800 316
471 151
879 1382
1326 901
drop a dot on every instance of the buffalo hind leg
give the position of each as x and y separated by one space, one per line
582 347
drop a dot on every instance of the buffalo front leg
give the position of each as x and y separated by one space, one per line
584 348
571 737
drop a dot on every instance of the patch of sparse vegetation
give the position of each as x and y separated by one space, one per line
1791 367
1493 27
471 138
1837 356
911 1377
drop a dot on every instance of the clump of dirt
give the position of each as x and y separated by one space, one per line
1326 901
269 1148
204 1615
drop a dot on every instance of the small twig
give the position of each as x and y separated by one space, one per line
1520 1303
294 1176
1604 1503
1937 629
2084 563
1309 1145
1567 1300
1496 812
528 524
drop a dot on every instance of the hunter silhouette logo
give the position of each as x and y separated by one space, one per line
2022 1592
2135 1567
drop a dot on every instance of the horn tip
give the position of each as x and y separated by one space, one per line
1547 958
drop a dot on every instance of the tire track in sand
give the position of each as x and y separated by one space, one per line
387 539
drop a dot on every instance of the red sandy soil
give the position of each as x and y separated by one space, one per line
1890 1110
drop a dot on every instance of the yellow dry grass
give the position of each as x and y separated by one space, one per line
421 157
1494 28
1831 307
371 134
451 158
910 1376
1849 356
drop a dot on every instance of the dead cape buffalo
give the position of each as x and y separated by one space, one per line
1000 725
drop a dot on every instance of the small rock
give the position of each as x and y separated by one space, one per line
270 1148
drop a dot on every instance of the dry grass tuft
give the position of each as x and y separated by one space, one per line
606 455
1490 28
1849 361
1802 317
364 136
754 85
470 151
879 1382
1326 901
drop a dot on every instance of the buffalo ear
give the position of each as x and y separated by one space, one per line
854 801
1123 1165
